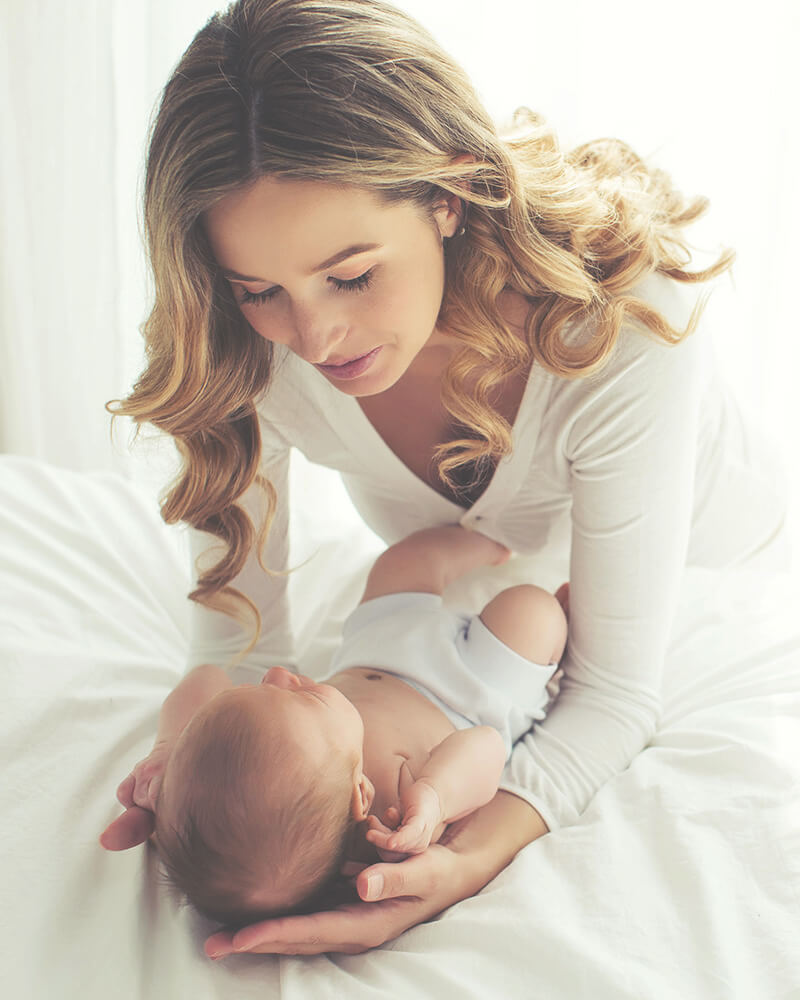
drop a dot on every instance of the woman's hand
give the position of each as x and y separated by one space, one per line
138 793
395 897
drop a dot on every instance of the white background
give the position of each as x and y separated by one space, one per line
706 90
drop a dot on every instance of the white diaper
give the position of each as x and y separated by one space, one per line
452 659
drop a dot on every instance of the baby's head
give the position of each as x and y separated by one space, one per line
260 797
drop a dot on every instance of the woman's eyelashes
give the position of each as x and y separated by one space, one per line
358 284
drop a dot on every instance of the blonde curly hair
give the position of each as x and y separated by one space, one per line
356 92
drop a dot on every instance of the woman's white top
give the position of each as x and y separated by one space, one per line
623 477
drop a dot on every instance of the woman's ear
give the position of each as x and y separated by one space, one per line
450 211
363 796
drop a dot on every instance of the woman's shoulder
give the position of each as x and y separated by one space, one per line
644 379
678 304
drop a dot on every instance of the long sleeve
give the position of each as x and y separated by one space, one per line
629 446
217 638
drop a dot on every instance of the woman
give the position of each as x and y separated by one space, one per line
471 328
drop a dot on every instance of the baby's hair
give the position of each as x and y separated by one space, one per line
246 827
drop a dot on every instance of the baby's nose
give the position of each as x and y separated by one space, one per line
283 678
279 676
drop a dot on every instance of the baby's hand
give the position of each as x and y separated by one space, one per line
421 814
379 832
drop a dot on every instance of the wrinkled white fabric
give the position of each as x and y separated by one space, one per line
680 879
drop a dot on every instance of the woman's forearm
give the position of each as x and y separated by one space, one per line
197 688
494 834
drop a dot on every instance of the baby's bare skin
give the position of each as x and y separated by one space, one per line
394 752
404 731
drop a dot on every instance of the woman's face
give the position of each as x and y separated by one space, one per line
349 283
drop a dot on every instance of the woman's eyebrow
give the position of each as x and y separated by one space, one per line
350 251
337 258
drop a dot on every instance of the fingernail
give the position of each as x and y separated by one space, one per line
374 886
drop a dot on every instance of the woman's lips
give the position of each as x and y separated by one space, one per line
351 369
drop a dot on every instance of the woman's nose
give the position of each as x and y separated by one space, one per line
316 335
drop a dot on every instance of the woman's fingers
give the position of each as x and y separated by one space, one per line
350 929
133 827
409 893
125 791
146 792
383 882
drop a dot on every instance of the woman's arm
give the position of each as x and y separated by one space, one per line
627 444
470 854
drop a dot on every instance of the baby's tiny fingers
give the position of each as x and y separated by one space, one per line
377 837
375 824
392 816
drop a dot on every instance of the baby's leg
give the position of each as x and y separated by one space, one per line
530 621
429 560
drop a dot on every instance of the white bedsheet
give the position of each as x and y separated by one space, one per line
682 880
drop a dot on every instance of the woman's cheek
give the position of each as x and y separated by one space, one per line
268 329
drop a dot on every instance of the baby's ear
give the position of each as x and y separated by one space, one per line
363 795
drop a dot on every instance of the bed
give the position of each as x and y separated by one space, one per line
682 879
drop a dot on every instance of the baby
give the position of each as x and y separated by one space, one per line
271 788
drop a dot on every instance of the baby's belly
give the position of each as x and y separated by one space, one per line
400 723
387 701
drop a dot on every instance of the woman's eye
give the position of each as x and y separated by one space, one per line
257 298
359 284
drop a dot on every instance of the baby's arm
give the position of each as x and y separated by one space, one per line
427 561
460 775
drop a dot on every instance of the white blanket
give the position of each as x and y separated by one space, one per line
682 879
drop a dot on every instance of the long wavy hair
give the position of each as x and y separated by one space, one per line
356 92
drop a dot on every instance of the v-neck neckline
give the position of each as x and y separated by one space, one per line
369 446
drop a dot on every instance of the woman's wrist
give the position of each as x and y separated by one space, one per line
493 835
